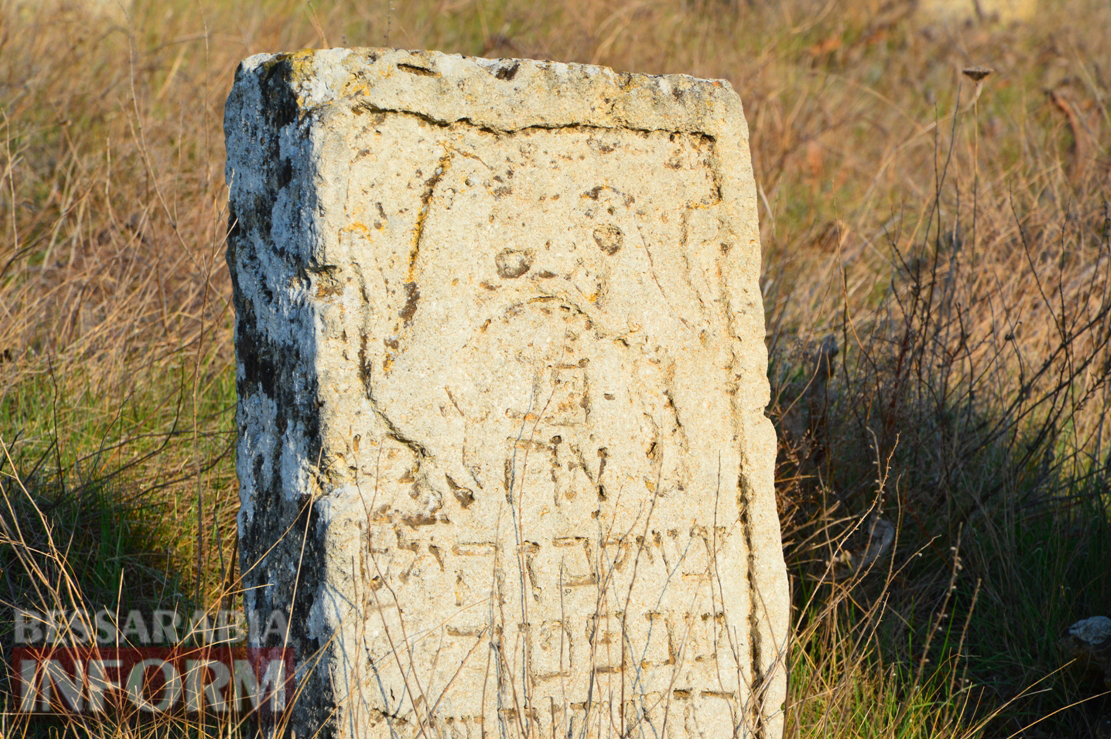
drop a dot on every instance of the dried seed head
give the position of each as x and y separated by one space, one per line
977 73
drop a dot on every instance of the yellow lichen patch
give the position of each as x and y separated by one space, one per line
301 63
357 227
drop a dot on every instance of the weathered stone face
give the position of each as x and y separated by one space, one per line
501 383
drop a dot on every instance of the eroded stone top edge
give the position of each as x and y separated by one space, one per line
506 94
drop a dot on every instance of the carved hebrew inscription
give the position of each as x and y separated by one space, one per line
525 393
529 425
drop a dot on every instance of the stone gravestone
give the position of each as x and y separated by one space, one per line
501 377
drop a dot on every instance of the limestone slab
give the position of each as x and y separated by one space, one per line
501 374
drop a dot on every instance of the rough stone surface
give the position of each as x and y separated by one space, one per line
1089 642
501 377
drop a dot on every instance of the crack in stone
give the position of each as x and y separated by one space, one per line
411 289
759 678
466 121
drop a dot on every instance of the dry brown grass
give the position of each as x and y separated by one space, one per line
961 261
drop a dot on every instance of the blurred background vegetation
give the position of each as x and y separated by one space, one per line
937 254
